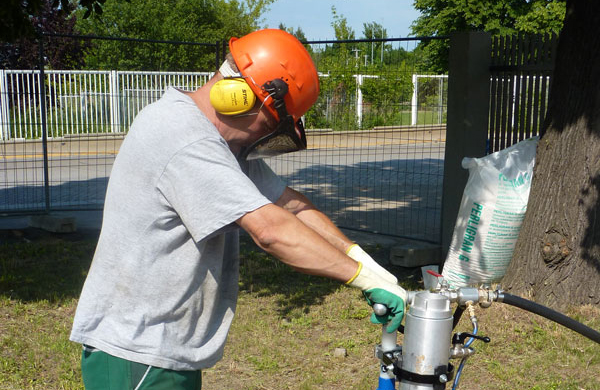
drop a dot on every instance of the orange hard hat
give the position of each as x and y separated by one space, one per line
269 54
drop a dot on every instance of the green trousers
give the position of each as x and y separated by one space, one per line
102 371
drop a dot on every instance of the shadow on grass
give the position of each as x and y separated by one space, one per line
37 265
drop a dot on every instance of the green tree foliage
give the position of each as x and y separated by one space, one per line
200 21
18 18
499 17
338 86
340 26
386 79
59 53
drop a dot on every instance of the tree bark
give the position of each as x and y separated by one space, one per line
556 261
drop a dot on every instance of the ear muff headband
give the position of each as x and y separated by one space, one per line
232 96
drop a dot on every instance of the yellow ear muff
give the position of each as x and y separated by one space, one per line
232 96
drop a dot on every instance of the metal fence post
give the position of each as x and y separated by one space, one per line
359 99
468 117
413 101
4 118
115 107
42 84
441 100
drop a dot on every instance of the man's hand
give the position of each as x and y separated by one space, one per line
381 291
358 254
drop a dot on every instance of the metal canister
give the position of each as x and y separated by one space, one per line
426 346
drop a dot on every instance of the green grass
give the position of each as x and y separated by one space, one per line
286 330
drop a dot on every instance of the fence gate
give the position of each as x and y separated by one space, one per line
520 70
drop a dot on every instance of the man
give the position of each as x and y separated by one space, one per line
162 288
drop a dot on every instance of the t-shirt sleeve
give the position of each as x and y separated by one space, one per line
206 187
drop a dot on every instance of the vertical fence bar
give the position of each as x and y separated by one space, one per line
359 99
77 106
113 93
493 129
4 117
36 88
29 98
547 55
414 102
128 97
97 119
537 87
52 116
58 108
512 82
504 42
521 88
530 81
516 89
15 82
441 101
44 124
88 116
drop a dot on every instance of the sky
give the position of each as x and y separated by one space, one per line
315 17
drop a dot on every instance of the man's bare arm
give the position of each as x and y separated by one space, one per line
281 234
299 205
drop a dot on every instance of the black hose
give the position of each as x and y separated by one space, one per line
456 317
552 315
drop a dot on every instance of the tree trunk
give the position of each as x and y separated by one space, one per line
557 256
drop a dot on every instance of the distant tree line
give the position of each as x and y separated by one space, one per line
498 17
200 21
385 94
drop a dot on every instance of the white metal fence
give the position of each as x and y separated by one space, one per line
91 101
81 102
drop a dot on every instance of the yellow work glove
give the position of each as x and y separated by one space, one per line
377 290
358 254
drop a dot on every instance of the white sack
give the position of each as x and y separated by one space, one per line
490 215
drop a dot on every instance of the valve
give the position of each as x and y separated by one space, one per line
459 338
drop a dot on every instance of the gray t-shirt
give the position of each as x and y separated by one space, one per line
163 284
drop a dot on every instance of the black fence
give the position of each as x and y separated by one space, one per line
376 135
520 69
